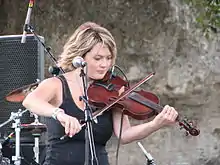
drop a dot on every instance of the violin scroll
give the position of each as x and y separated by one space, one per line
189 127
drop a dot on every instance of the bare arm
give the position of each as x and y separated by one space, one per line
132 133
42 100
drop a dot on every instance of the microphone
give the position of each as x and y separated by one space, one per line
27 21
150 159
78 62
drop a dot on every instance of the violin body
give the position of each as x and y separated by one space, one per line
102 94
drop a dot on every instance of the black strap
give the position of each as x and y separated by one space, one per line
65 86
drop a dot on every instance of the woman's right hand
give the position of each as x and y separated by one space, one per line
71 124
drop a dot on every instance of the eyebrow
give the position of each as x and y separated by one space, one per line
103 55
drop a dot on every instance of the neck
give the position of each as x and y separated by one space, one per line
77 74
90 81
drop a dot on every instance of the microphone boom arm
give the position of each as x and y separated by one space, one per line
47 49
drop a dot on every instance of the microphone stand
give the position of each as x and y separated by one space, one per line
89 139
150 159
17 127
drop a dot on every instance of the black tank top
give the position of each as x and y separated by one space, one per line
102 131
71 151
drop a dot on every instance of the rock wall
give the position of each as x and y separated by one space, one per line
152 36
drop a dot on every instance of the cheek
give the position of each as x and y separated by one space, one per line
92 67
91 70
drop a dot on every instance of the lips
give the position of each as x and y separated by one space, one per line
101 71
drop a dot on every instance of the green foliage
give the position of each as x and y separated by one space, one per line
208 14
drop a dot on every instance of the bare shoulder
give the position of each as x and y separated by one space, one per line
50 83
48 89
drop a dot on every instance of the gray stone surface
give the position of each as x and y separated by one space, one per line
159 36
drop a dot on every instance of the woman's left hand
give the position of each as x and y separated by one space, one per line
166 117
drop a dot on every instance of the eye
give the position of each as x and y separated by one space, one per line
97 58
110 58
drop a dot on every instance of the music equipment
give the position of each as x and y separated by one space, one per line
27 153
20 64
19 94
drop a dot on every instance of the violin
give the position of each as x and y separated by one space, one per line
138 104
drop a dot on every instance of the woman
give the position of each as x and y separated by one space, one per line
58 97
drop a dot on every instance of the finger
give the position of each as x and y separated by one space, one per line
63 124
170 113
72 128
121 90
174 114
165 109
78 126
67 126
167 115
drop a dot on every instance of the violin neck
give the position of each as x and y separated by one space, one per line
146 102
183 123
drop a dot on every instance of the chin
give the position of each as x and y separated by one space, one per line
98 77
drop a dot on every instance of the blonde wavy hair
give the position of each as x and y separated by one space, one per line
82 41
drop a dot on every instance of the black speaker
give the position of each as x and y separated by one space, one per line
20 64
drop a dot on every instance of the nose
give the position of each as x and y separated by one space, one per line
104 63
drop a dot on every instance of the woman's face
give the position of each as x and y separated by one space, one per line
99 61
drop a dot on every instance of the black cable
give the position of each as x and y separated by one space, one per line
123 75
